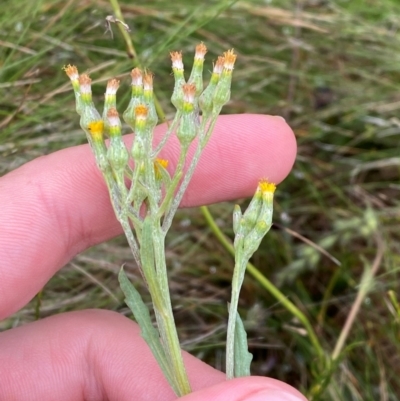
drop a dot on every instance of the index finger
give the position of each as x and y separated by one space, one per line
58 205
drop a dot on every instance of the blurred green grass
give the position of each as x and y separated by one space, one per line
331 68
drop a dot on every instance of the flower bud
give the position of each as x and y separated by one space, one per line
265 191
85 84
73 75
139 151
95 129
257 219
222 93
117 153
109 101
152 117
141 114
189 93
136 97
206 98
188 125
196 76
89 113
137 82
177 68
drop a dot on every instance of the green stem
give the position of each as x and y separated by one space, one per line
237 281
165 316
124 221
203 137
274 291
166 136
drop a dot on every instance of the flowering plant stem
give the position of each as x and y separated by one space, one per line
146 205
267 284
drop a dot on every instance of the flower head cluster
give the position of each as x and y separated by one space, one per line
251 226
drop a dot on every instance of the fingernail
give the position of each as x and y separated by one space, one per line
280 117
273 395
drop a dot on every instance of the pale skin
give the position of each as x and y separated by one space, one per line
57 206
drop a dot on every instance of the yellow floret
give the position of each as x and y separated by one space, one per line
159 162
96 129
266 186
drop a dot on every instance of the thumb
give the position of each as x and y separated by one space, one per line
247 389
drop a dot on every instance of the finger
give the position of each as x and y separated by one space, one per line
243 149
58 205
100 355
87 355
247 389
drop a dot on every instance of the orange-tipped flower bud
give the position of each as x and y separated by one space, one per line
136 98
117 153
73 75
177 68
148 81
189 92
206 98
110 102
187 129
219 65
176 58
201 51
113 117
196 75
112 87
85 83
222 93
152 117
71 71
229 60
137 78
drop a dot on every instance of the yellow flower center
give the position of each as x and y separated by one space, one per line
157 171
266 186
96 129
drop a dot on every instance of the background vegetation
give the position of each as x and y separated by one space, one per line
331 68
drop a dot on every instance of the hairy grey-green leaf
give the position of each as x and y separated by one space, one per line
148 332
242 355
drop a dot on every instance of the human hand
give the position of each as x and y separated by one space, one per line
55 207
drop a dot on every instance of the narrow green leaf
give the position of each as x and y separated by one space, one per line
148 332
243 357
